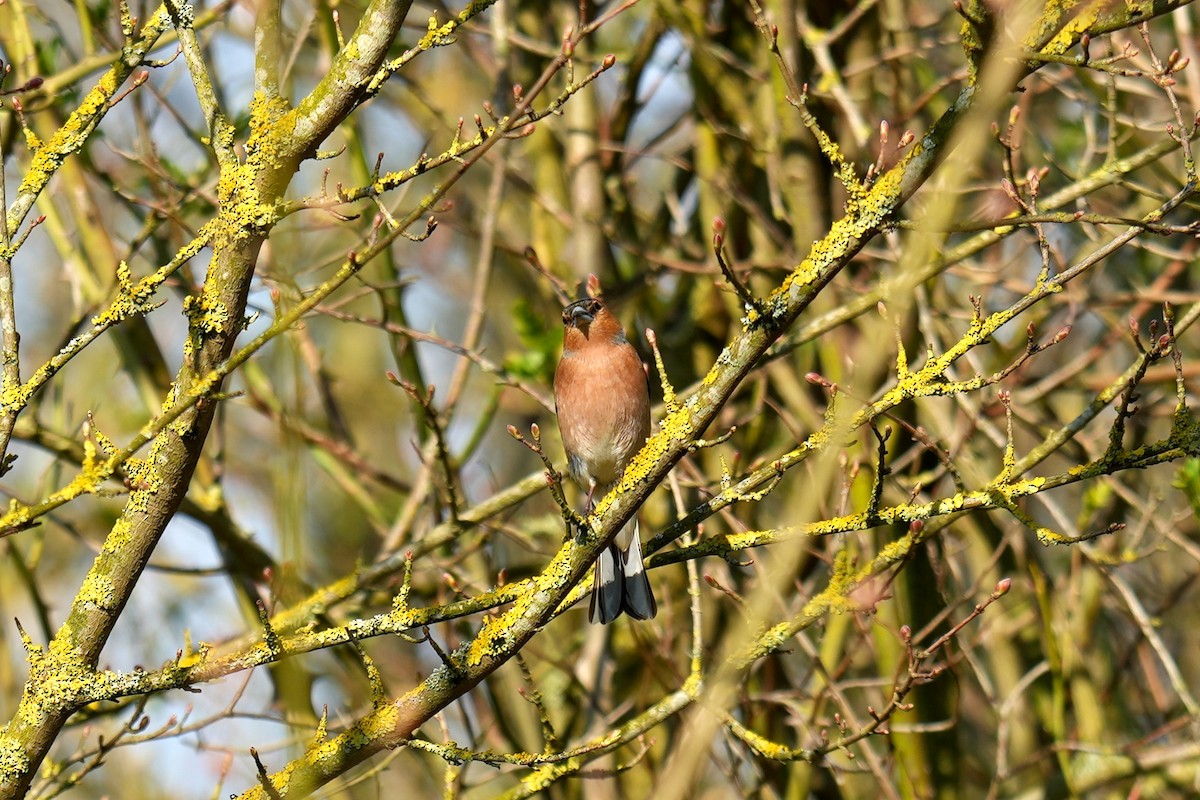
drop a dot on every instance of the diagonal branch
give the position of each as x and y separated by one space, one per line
502 636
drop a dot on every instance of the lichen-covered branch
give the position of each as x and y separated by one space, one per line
79 127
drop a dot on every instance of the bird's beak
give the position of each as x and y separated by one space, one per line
580 316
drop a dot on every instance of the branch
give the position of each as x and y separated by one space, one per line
79 127
501 637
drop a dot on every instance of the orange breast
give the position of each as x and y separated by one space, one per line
603 409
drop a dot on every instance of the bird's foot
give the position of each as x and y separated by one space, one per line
576 523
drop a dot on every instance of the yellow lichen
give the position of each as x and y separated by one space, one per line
31 139
208 314
13 759
266 109
70 136
481 645
1070 32
14 398
96 592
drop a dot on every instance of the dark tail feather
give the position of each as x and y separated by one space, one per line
606 587
637 598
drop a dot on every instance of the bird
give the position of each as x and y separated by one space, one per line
602 398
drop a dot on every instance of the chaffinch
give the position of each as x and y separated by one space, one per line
602 397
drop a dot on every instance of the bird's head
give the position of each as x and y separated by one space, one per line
589 321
